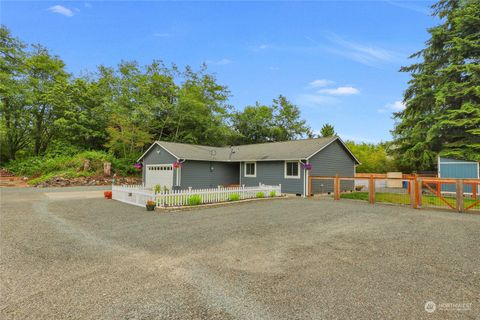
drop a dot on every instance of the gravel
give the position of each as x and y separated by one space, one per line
91 258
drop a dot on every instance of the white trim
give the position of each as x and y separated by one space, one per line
240 173
153 144
285 170
336 138
438 167
245 169
305 181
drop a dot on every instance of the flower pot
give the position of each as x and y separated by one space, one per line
107 194
150 207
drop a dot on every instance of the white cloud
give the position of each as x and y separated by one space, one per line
340 91
274 68
396 106
161 35
220 62
320 83
263 46
61 10
363 53
316 100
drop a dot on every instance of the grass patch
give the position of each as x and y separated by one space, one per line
194 200
234 197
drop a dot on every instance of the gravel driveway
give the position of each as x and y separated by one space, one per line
88 258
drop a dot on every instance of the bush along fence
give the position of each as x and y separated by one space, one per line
137 195
460 195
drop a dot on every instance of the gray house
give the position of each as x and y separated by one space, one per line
186 165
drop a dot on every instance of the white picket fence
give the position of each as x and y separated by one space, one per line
132 194
137 195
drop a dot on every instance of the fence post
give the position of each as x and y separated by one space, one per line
309 194
413 193
459 190
418 190
336 188
371 189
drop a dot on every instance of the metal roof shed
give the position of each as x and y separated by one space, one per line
457 169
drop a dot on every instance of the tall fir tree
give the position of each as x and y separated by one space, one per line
442 114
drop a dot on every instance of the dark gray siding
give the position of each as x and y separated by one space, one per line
332 160
198 174
164 157
273 173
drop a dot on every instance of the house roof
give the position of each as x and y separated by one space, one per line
285 150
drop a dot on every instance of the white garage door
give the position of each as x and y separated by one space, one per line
161 174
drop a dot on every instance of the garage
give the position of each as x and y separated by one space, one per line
161 174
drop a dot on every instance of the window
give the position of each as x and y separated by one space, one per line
292 170
250 169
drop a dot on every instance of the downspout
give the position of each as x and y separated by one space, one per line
305 172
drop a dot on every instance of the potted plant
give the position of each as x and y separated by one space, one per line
107 194
150 205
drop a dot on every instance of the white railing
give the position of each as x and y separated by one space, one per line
132 194
176 198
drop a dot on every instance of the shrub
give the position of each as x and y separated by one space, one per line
272 193
260 195
234 197
194 200
71 165
158 188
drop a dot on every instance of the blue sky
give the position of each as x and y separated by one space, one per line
337 60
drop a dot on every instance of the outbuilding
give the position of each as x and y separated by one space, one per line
289 163
457 169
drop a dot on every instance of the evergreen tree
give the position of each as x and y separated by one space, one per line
327 130
442 114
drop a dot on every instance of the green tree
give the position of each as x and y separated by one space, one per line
15 116
286 120
373 157
261 123
442 101
327 130
201 110
254 124
47 83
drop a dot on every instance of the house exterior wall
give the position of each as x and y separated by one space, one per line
152 157
332 160
273 173
198 174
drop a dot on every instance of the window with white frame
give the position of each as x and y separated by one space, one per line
250 169
292 170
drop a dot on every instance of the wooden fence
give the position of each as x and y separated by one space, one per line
418 192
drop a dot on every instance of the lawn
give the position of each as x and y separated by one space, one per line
402 198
